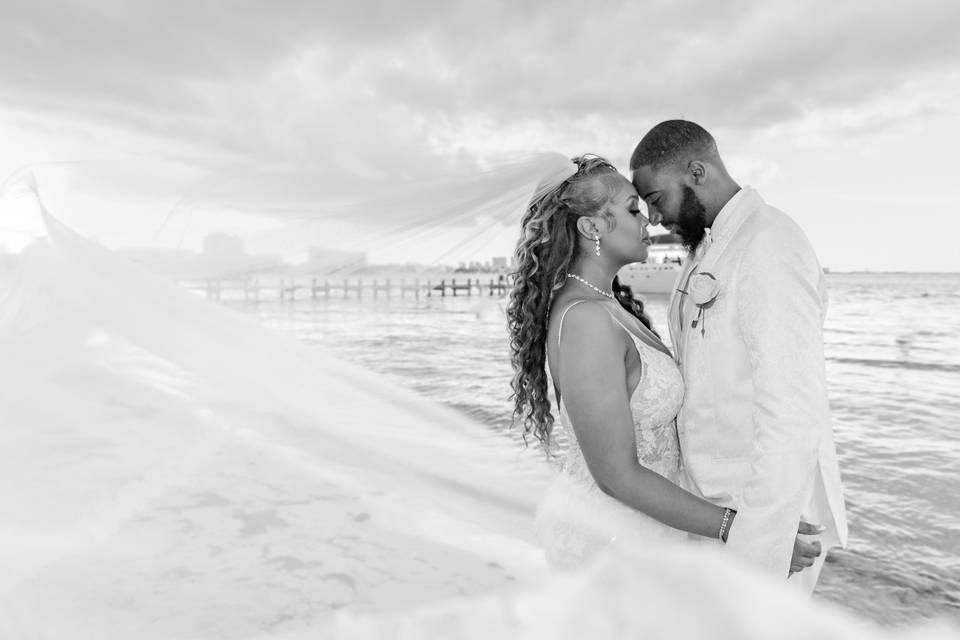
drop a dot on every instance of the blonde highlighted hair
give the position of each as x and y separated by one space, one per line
548 248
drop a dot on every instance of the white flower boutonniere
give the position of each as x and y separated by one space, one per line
703 289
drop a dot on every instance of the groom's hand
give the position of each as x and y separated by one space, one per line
805 553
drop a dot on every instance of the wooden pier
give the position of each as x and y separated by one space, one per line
325 289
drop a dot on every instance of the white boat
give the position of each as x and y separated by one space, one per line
659 273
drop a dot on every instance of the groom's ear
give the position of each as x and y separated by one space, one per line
697 172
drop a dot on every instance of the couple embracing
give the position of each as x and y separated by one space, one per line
727 440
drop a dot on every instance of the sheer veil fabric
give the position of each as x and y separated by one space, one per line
172 469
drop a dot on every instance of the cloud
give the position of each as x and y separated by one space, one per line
302 81
288 103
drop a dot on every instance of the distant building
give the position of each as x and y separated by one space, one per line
494 265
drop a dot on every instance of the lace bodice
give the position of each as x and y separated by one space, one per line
654 405
575 519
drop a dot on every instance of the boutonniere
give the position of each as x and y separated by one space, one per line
703 289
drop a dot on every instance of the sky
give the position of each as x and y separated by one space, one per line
846 115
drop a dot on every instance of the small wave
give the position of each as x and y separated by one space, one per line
898 590
898 364
895 573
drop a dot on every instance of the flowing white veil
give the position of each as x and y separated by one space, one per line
173 469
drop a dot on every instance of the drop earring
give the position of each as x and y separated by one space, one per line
597 250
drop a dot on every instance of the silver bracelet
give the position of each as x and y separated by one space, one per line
723 525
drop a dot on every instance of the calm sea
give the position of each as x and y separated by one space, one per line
893 364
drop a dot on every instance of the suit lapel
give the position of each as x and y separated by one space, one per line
705 263
750 204
676 299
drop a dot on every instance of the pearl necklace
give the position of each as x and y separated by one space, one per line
597 289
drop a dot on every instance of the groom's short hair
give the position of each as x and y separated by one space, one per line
670 142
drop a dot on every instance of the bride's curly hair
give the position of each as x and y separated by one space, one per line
547 250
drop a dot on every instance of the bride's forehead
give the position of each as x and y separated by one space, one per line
621 189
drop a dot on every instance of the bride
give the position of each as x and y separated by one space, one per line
174 470
616 383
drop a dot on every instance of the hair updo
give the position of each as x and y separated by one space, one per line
548 248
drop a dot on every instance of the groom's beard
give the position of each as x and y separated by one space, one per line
691 220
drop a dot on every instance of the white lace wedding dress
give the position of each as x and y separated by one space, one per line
575 519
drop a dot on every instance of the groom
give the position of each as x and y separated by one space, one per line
746 323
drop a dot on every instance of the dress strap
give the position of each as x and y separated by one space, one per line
564 315
613 316
662 349
605 308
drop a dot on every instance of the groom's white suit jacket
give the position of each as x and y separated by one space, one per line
755 427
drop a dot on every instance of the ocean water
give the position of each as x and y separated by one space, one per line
893 366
